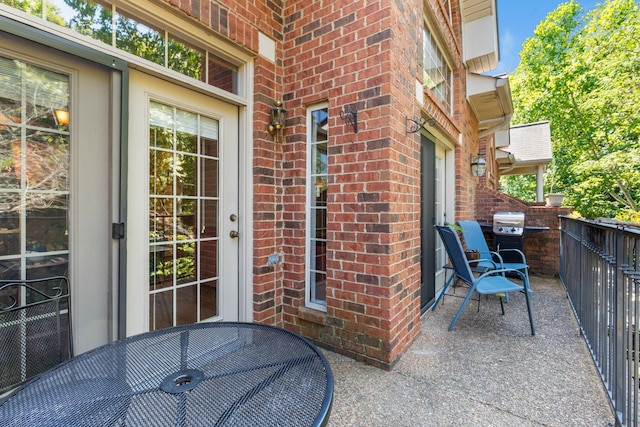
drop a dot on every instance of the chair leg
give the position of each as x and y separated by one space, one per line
526 277
533 328
464 303
502 305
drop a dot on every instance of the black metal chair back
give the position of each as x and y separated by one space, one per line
35 328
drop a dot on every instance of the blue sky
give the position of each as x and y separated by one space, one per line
516 21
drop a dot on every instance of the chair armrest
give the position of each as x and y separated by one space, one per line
497 256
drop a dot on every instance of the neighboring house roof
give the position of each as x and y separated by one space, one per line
529 147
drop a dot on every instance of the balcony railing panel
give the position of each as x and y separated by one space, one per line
600 271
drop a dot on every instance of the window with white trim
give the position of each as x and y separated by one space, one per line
110 24
437 75
316 209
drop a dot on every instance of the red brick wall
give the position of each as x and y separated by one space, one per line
240 22
364 56
346 56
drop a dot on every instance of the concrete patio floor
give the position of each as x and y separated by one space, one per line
488 371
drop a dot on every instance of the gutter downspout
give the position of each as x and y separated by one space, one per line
512 161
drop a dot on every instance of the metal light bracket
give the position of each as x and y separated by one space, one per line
413 126
350 118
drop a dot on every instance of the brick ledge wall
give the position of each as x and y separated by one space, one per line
541 249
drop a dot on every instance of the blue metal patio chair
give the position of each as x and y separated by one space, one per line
491 282
474 239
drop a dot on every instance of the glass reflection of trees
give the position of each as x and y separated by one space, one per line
34 158
115 27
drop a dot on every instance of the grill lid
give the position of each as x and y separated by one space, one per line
509 223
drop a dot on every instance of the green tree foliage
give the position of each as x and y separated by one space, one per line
582 73
521 186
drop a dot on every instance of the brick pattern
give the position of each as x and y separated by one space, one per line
364 56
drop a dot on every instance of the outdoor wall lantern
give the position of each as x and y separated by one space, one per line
478 166
276 124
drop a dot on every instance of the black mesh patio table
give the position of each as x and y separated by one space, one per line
205 374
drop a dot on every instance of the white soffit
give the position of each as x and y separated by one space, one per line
480 35
490 99
476 9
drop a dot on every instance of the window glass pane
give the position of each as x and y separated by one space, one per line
160 219
161 167
161 310
222 75
40 266
46 222
209 269
209 218
85 17
185 59
208 299
139 39
160 266
186 263
186 300
209 177
186 218
9 224
185 175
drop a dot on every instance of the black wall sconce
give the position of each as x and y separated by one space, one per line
276 124
478 166
413 126
350 118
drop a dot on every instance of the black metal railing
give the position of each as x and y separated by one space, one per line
600 270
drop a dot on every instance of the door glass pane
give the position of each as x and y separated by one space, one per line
34 165
161 309
183 214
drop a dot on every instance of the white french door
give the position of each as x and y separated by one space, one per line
440 210
182 225
56 171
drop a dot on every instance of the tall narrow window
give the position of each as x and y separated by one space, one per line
317 173
437 74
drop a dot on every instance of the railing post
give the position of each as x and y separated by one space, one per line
622 331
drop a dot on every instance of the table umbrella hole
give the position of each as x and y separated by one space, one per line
181 381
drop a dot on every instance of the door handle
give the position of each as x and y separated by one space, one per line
234 234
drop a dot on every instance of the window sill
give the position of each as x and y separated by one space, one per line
313 316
